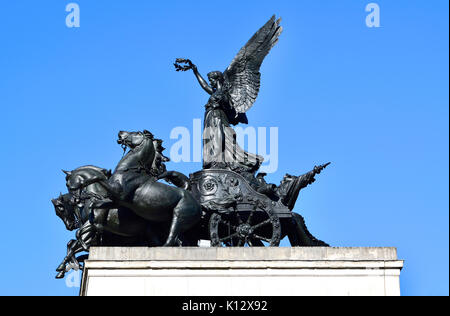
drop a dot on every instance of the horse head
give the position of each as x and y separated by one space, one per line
142 151
79 180
65 210
74 181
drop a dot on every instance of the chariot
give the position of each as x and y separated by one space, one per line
235 214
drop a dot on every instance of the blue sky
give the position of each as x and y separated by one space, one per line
374 101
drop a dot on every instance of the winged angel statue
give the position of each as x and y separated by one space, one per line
233 93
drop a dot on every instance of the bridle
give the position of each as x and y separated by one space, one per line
125 146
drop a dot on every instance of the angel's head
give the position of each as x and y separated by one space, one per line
215 78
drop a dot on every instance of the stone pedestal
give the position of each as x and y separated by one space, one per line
242 272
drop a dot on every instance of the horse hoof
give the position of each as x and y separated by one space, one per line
173 243
61 267
60 275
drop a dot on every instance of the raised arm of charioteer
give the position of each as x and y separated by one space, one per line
290 186
309 177
188 66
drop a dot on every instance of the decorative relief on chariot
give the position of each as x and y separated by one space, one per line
208 186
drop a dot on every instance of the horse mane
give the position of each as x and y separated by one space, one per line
148 134
160 149
106 172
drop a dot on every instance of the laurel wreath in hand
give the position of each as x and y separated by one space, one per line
188 65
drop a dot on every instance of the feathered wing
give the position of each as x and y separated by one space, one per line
242 77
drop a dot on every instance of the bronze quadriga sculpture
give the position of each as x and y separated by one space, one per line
228 202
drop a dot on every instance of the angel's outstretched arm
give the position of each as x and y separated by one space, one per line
202 81
179 67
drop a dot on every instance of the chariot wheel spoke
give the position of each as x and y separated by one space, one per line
266 222
250 217
239 218
228 225
263 238
228 237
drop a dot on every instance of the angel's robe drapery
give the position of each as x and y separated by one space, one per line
220 148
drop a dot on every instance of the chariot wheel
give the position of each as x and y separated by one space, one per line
259 227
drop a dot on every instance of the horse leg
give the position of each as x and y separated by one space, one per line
99 217
74 247
174 229
86 235
152 236
186 214
301 236
62 266
85 238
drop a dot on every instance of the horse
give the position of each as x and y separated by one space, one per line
70 215
93 225
76 211
134 185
